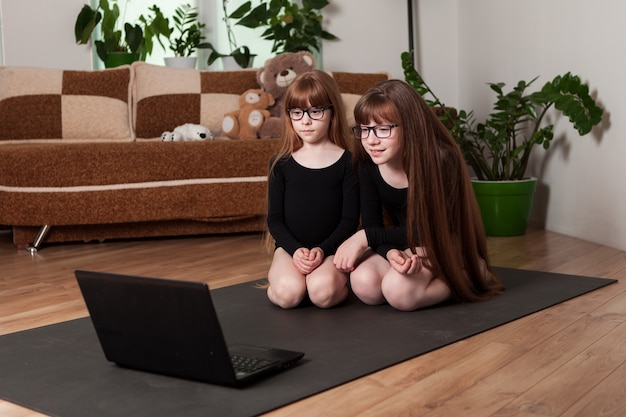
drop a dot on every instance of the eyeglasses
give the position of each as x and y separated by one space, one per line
315 113
380 131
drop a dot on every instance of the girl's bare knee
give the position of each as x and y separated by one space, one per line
326 297
285 296
366 286
404 295
327 289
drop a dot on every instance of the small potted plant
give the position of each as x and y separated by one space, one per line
185 37
119 42
291 27
498 149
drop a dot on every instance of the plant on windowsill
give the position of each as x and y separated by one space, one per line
292 28
115 36
185 37
498 149
240 54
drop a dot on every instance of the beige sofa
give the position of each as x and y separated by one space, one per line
81 157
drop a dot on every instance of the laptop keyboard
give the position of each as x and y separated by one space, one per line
246 364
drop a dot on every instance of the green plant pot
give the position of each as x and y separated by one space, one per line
115 59
505 206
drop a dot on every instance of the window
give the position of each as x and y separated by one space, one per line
130 10
211 13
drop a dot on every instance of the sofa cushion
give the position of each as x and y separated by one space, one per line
349 101
356 82
142 181
167 97
53 105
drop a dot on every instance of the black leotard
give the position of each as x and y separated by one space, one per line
376 194
312 207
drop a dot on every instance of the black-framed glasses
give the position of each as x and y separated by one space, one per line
380 131
315 113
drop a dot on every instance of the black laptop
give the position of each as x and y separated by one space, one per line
170 327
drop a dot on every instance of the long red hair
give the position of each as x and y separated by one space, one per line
442 213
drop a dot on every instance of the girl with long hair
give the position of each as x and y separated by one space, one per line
422 239
313 196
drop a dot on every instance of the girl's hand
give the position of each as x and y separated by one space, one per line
307 260
316 256
350 251
404 263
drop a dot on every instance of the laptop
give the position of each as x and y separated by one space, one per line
170 327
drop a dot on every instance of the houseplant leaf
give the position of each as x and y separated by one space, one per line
86 22
571 97
290 27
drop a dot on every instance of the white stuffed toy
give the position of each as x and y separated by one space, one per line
187 132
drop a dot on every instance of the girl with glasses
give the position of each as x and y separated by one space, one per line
422 240
313 196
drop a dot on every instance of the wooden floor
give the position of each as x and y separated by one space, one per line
568 360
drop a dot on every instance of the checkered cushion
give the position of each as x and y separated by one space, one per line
167 97
53 105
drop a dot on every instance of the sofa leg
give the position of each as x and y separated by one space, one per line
41 235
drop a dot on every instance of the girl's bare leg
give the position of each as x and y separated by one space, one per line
409 292
287 285
367 277
327 286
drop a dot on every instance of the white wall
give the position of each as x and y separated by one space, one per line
461 46
372 35
438 47
41 33
580 178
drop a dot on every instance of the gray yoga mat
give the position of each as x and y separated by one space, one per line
60 370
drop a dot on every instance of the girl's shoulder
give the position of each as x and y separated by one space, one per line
370 171
344 159
346 156
279 159
278 164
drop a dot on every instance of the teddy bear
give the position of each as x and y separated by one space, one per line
245 122
187 132
275 77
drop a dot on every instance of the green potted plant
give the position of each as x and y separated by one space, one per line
185 37
119 42
239 55
498 149
291 27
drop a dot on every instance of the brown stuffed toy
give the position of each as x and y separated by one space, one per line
245 122
274 77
